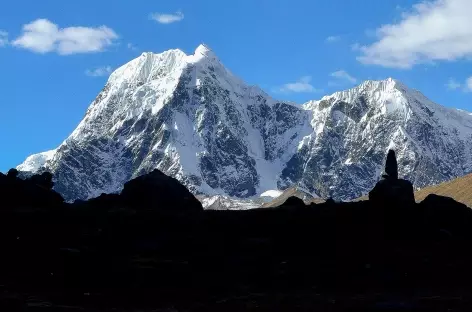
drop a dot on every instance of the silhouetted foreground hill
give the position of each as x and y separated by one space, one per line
459 189
153 248
292 192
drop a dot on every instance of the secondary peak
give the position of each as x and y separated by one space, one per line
204 51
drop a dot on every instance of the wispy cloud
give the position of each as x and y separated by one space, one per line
440 30
303 85
344 76
465 86
167 18
468 84
43 36
3 38
99 71
131 46
452 84
355 47
332 39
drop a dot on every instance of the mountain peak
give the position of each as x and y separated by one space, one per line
203 52
202 49
384 85
370 87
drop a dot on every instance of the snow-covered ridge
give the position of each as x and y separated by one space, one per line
34 162
190 117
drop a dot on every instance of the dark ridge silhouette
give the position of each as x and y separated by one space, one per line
142 192
35 192
153 248
294 201
12 174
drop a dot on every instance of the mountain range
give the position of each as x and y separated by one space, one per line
190 117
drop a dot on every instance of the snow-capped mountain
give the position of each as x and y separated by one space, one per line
188 116
353 130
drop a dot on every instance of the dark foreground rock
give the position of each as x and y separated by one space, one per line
392 191
294 201
131 253
159 191
33 193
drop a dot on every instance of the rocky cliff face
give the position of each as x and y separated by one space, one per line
191 118
353 130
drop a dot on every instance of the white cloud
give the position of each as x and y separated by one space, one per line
99 72
43 36
303 85
167 18
452 84
468 84
343 75
3 38
439 30
332 39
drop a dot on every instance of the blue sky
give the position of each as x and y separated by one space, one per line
55 56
